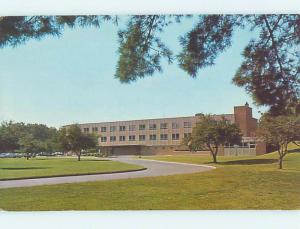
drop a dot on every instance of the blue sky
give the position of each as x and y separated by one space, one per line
70 79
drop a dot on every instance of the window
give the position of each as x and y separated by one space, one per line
175 136
164 126
153 137
175 125
152 126
252 144
122 128
132 128
187 124
103 129
113 138
142 137
245 144
163 137
112 128
122 138
132 138
142 127
227 121
95 129
103 139
187 135
86 130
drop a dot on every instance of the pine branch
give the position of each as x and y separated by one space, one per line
149 32
274 44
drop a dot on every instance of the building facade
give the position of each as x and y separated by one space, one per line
165 135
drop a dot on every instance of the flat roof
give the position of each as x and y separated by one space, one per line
151 119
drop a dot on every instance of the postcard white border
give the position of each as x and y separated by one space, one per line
148 219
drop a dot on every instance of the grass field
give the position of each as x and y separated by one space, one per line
237 183
11 168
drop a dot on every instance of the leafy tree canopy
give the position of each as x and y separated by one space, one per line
72 139
271 61
30 145
13 135
279 131
211 134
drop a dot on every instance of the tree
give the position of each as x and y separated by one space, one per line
48 136
192 145
279 131
17 30
211 134
10 133
269 72
72 139
140 50
30 146
15 137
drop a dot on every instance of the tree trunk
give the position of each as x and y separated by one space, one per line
78 156
214 157
280 162
214 154
282 151
27 156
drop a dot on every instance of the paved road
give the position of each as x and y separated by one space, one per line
154 168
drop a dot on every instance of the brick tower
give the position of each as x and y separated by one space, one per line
243 118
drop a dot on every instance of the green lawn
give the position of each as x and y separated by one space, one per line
12 168
237 183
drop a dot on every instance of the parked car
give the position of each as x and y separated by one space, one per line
11 155
58 153
3 155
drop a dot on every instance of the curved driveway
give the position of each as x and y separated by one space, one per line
154 168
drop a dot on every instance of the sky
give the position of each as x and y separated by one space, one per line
70 79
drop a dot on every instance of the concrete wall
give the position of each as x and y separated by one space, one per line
239 151
149 150
261 148
122 150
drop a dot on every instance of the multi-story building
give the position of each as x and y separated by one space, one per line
164 135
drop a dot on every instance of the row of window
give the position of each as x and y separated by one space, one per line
141 127
152 137
242 145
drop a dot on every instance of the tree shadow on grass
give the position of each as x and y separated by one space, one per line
249 162
95 160
44 159
23 168
294 151
71 159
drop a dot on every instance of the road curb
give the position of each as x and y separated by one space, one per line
70 175
181 163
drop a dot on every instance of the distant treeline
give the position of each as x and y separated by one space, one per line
20 137
31 139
